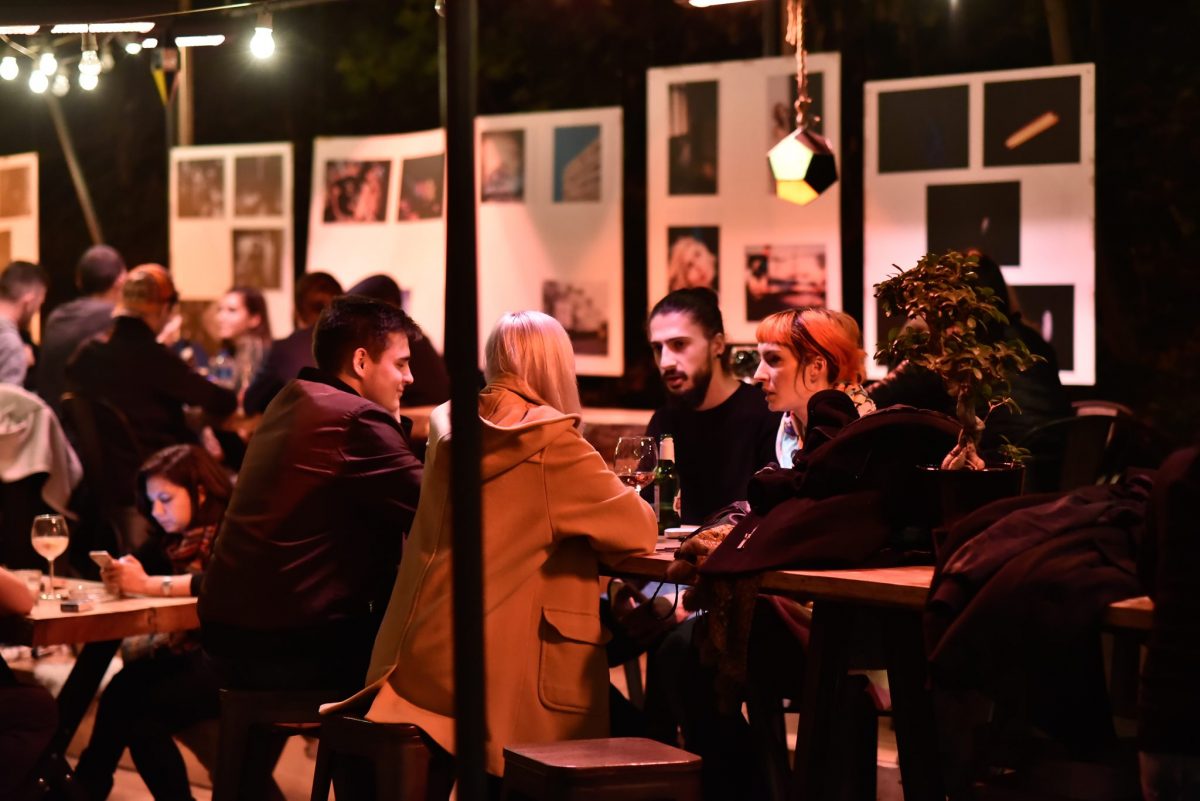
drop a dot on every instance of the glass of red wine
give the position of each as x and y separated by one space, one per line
635 461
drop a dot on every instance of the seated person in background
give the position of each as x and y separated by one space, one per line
128 368
308 551
166 684
1169 702
289 355
805 351
551 507
434 386
722 428
244 328
1038 392
22 292
99 277
28 714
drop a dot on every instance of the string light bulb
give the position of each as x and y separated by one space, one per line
61 85
38 82
133 48
9 70
88 81
262 44
47 64
89 62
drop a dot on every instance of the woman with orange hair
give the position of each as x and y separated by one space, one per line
802 352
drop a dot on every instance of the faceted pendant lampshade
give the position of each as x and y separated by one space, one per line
803 165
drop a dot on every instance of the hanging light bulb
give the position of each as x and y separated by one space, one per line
107 62
89 62
38 82
149 42
262 44
9 69
133 48
48 64
803 162
61 85
88 81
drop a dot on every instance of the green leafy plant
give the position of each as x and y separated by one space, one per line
950 315
1014 453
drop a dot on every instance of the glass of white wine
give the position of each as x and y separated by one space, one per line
50 538
635 461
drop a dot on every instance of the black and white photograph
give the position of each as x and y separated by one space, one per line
258 258
1050 309
14 192
692 257
502 166
422 185
202 188
985 217
1031 122
5 246
780 277
258 186
582 308
781 110
576 163
692 143
356 191
923 129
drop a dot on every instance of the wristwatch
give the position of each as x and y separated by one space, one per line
166 585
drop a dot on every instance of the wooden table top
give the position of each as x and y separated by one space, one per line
899 587
47 624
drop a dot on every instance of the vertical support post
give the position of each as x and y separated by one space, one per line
77 177
185 100
462 359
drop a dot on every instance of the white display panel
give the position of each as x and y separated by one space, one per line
1000 161
362 188
550 232
712 208
231 224
19 208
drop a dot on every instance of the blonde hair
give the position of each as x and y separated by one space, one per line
534 347
809 332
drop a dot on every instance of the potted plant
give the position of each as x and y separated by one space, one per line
951 315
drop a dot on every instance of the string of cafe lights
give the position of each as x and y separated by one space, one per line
50 68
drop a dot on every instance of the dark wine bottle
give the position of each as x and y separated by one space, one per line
666 485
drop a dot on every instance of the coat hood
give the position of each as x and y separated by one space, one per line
517 424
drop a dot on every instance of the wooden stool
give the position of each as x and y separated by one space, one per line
614 769
276 712
400 759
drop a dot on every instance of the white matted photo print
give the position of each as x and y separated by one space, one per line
19 208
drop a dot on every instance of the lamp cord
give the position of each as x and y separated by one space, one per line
795 36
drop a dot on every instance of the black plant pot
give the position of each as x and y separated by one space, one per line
957 493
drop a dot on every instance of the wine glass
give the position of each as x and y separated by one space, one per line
635 461
49 537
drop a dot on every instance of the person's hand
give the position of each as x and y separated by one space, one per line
128 574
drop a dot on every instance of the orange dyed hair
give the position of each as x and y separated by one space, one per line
810 332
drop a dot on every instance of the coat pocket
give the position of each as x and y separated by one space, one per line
571 673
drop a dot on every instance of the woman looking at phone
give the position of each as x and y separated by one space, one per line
165 686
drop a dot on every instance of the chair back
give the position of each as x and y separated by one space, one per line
111 459
1094 447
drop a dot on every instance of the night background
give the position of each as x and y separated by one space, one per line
365 67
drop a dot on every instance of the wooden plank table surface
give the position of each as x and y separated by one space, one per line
47 624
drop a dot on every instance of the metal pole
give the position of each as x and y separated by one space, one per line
185 104
81 187
462 359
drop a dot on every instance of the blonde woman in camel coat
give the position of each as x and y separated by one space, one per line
551 507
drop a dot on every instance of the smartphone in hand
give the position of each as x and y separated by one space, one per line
101 558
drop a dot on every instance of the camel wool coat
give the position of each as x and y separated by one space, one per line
550 507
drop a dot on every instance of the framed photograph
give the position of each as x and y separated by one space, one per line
356 191
692 254
1050 310
14 192
502 166
202 188
985 216
781 277
576 163
692 146
258 186
924 129
422 187
1031 122
582 308
258 258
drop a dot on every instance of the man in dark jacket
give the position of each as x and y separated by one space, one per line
131 370
307 554
99 276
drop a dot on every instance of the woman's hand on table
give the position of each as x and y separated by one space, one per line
128 574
